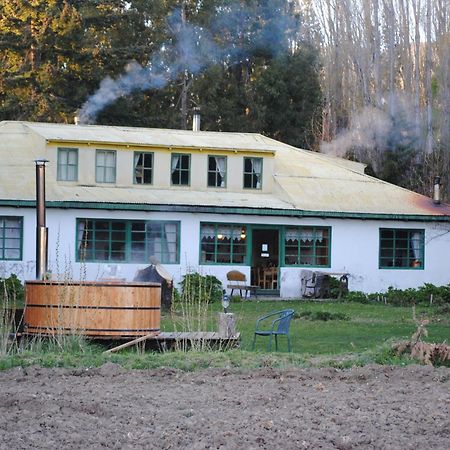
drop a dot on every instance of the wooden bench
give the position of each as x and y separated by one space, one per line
237 280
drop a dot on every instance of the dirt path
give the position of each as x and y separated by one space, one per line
370 407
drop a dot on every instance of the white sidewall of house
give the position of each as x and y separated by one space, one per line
354 249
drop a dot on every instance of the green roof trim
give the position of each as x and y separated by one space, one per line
225 210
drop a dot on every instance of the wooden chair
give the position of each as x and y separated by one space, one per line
270 277
238 280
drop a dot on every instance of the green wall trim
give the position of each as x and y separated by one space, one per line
226 210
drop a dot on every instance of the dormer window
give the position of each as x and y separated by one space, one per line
67 164
217 170
143 168
105 166
253 173
180 169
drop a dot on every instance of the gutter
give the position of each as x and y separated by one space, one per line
274 212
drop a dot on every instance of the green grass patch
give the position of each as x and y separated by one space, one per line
352 334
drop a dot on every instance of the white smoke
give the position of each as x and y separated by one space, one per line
194 48
374 131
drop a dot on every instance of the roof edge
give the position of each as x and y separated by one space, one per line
227 210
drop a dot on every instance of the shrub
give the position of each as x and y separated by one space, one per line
322 315
356 296
11 291
204 288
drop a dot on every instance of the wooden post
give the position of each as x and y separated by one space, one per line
227 325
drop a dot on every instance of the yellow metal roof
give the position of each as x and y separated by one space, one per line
303 180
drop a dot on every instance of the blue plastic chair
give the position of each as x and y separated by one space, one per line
274 324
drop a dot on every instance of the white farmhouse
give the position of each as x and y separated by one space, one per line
118 198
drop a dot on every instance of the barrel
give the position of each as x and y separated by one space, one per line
113 309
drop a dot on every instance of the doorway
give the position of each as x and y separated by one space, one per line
266 259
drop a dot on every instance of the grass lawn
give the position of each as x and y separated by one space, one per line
365 337
369 325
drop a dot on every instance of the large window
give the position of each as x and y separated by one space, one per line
253 173
67 164
11 238
143 168
401 248
135 241
105 166
307 246
217 170
180 169
223 243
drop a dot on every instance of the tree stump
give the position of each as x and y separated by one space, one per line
227 325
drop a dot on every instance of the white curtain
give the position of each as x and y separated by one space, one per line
208 231
81 226
175 160
416 238
257 168
304 234
221 165
291 234
170 230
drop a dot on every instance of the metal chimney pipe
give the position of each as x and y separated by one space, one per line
41 229
196 119
437 190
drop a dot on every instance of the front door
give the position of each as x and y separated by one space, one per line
266 259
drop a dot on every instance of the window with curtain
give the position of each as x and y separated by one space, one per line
105 166
180 169
134 241
67 164
401 248
252 173
307 246
217 169
223 243
143 168
11 235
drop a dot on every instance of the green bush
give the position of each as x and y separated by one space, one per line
356 296
11 292
440 295
203 288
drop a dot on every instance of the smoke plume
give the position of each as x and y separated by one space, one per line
374 131
234 34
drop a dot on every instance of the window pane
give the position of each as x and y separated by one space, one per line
105 171
401 248
223 243
128 241
307 246
67 164
10 238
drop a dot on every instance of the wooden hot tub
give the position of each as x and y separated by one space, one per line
111 309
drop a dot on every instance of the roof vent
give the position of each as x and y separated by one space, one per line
437 190
196 119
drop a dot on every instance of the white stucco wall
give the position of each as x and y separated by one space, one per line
354 249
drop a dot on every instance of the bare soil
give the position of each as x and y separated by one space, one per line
373 407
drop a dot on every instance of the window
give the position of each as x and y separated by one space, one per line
143 168
67 164
223 243
11 231
180 169
252 173
217 170
401 248
134 241
307 246
105 166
